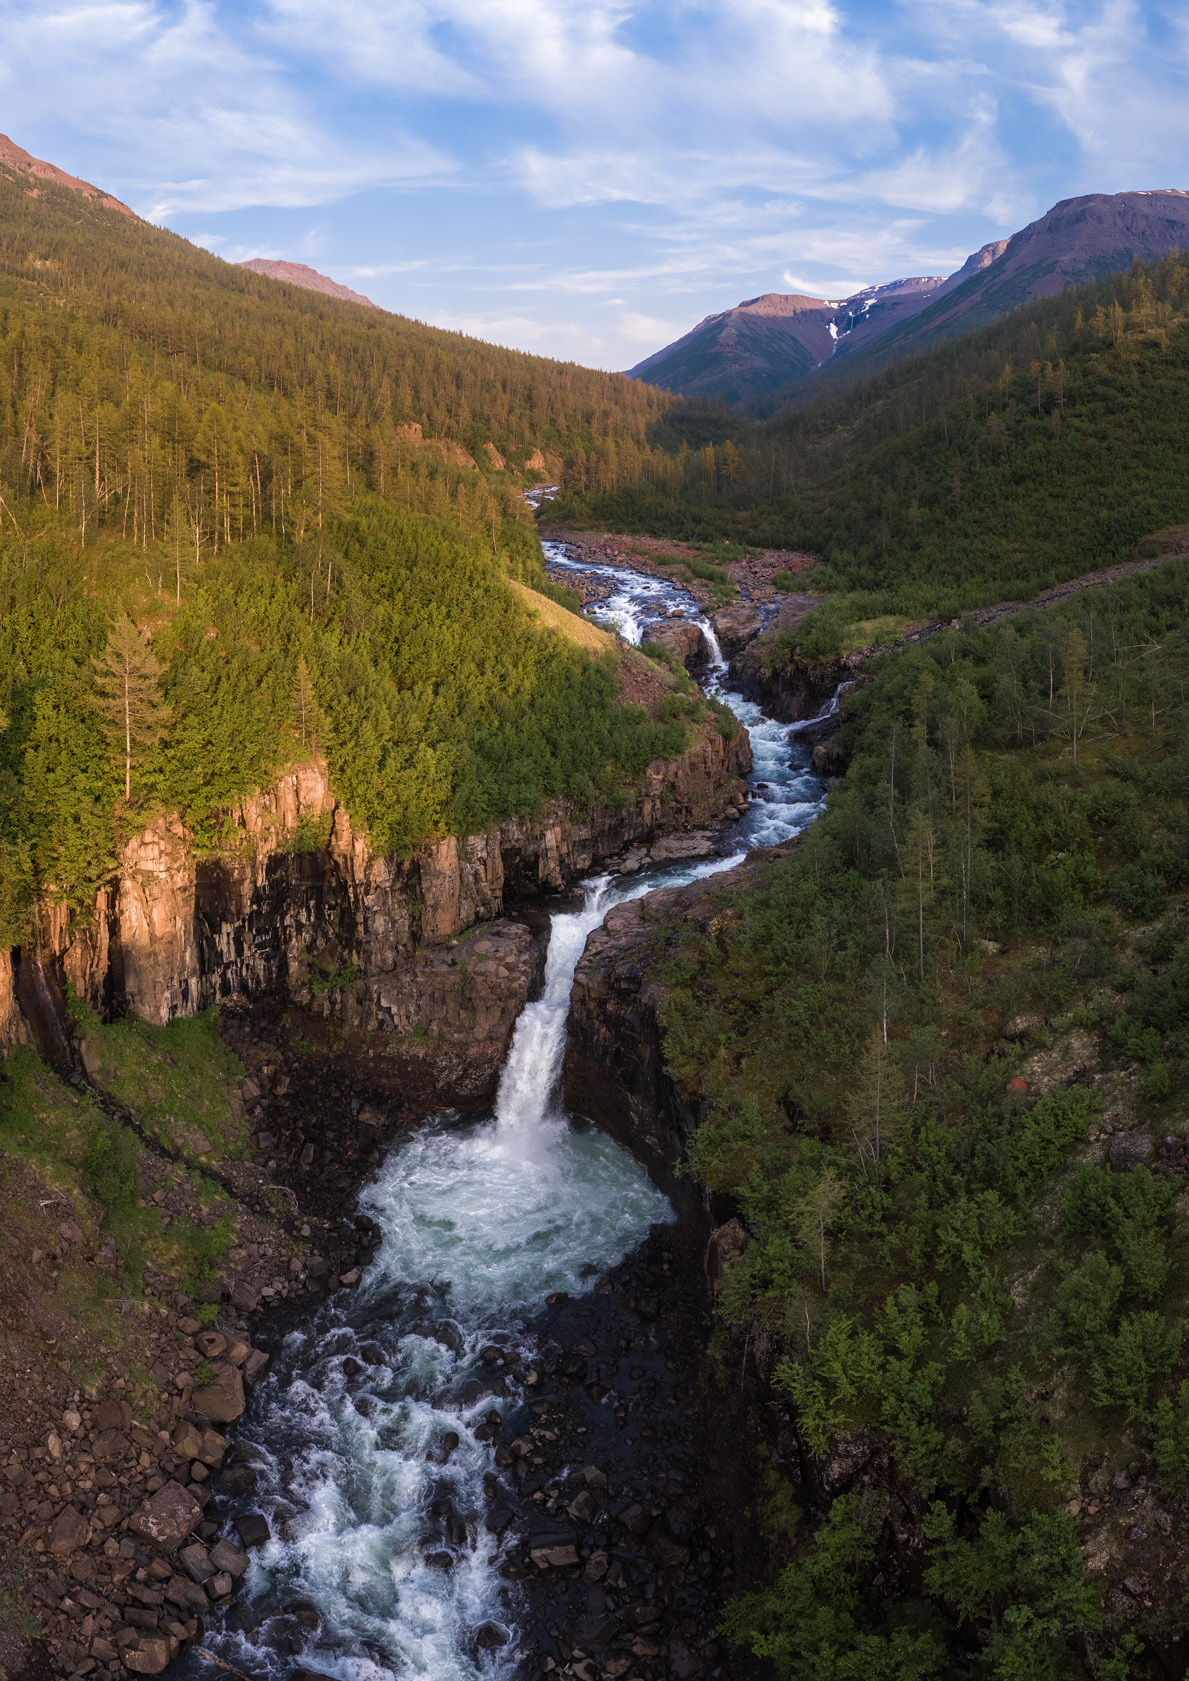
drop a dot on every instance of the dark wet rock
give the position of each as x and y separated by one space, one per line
252 1529
237 1479
489 1636
440 1560
736 626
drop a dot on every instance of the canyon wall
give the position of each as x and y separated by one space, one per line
296 901
615 1069
792 690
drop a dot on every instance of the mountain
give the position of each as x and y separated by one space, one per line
1079 240
768 344
19 165
300 274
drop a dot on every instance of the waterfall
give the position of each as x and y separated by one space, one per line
376 1519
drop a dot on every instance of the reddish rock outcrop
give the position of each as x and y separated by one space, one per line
16 162
301 274
683 639
299 903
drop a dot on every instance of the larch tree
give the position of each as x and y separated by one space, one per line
127 695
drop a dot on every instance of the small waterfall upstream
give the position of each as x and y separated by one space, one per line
371 1436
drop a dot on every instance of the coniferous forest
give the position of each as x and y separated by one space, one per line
243 526
243 523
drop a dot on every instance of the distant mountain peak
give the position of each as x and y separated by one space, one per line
300 274
17 163
765 344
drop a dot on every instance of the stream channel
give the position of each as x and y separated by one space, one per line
371 1437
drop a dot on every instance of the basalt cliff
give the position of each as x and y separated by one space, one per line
417 963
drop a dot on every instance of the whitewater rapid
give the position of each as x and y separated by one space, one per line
376 1518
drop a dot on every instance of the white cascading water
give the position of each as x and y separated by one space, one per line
374 1524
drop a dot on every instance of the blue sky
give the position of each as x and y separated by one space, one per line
588 180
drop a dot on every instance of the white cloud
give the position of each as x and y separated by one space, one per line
676 154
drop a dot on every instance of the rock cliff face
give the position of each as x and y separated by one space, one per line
789 689
615 1069
298 903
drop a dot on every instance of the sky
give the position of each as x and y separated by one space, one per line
585 179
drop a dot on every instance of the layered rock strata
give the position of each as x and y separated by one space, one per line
298 902
789 689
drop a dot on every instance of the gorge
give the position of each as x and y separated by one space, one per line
369 1440
368 1448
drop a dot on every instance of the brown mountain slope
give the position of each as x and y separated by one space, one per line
18 164
767 345
300 274
1078 240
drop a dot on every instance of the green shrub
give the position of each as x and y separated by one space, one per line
110 1168
1144 1349
1139 892
1170 1436
812 1625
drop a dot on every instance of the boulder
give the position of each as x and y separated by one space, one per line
242 1295
255 1366
149 1656
736 626
112 1415
187 1441
69 1531
700 843
555 1558
168 1517
1131 1149
221 1400
252 1528
227 1558
212 1450
197 1562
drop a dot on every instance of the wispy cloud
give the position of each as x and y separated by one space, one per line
629 167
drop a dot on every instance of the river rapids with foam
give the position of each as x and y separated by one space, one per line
376 1527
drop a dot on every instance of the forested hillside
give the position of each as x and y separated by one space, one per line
923 1048
239 524
1035 450
160 393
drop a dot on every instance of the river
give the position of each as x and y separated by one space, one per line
368 1436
